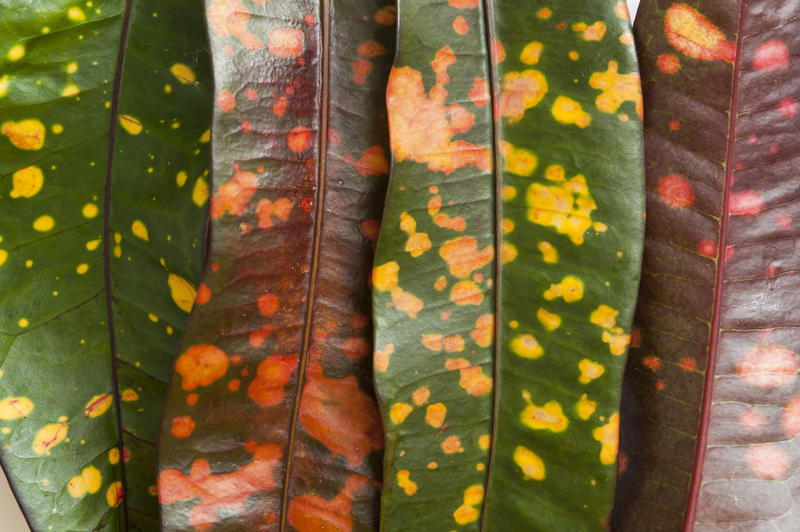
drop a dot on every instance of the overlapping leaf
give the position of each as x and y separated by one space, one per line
102 196
710 410
507 265
271 423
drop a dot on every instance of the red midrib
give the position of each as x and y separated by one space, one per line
705 414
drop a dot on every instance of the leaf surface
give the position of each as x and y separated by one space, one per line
711 394
271 423
507 265
101 238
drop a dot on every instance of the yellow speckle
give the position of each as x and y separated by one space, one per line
26 134
168 88
484 441
175 125
46 29
568 111
384 277
405 482
129 395
574 55
130 124
399 412
82 268
117 251
570 288
44 223
3 256
432 465
595 32
509 193
28 263
421 395
600 227
555 172
434 414
169 329
152 317
518 161
3 85
89 210
72 67
91 245
206 136
608 436
585 408
590 371
550 321
76 14
140 230
530 54
57 129
183 293
467 513
114 494
113 456
15 408
27 182
16 52
508 252
530 463
183 73
49 436
70 90
181 178
117 238
549 253
200 192
526 346
547 417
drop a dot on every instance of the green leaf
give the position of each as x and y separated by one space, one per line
710 409
102 190
271 422
508 263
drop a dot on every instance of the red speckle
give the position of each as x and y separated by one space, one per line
676 191
215 267
771 270
268 304
460 25
707 248
752 139
745 203
272 375
358 321
191 399
752 420
768 462
233 384
784 221
773 148
289 89
770 56
445 315
203 294
236 359
791 417
251 94
182 426
310 20
622 462
660 385
668 63
307 204
636 337
225 101
674 125
299 139
687 364
279 109
652 363
561 26
788 107
285 42
729 251
257 338
126 454
247 126
768 366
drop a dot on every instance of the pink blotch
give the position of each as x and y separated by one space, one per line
310 20
285 42
225 101
745 203
770 56
707 248
768 462
773 148
251 94
791 417
768 366
771 270
788 107
227 49
752 420
729 251
676 191
784 221
668 63
752 139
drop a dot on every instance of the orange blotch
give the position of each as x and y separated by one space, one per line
381 359
233 384
361 69
462 256
371 49
299 139
280 209
483 333
182 426
466 293
771 56
675 191
498 52
745 203
234 195
460 25
272 375
768 366
652 363
386 16
447 222
285 42
223 491
687 364
790 419
311 513
191 399
356 347
451 445
279 109
226 101
674 125
473 380
251 94
692 34
372 162
406 302
768 462
203 294
707 248
421 127
268 304
201 365
432 341
228 18
479 94
668 63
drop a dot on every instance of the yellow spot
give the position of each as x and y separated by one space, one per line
600 227
530 463
617 341
140 230
521 91
89 210
184 74
130 124
617 89
113 456
117 251
417 244
117 238
27 182
89 481
570 288
585 408
49 436
3 85
574 55
114 494
590 371
432 465
466 293
508 193
72 67
3 256
70 90
405 482
595 32
26 134
484 441
399 412
181 178
183 293
508 226
206 136
384 277
530 54
421 395
15 408
568 111
44 223
526 346
23 322
604 316
434 414
16 52
518 161
608 436
549 321
567 207
28 263
129 395
152 317
200 192
549 253
452 445
97 405
82 268
547 417
167 88
467 513
508 252
76 14
555 172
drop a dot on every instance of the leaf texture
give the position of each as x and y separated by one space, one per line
710 402
271 423
507 266
102 201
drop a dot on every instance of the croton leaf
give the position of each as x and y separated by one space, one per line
102 194
507 266
711 407
270 422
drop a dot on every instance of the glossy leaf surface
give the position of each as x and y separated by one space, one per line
102 201
710 413
270 423
507 265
